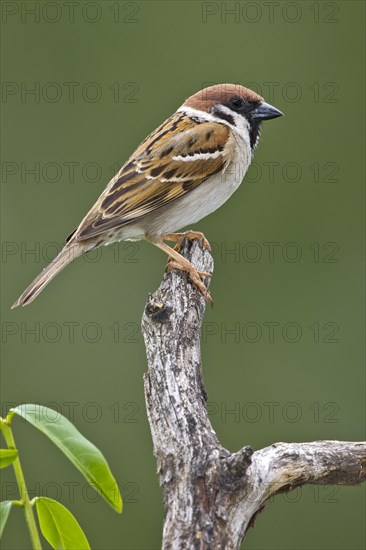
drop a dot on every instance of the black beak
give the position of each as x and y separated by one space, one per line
265 111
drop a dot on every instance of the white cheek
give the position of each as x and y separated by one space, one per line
242 128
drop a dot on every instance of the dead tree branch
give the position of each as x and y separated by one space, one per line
211 495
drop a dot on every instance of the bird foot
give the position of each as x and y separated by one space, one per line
194 275
178 238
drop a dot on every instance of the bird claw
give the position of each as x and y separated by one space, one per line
195 277
191 235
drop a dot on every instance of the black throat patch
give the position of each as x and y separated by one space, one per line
254 132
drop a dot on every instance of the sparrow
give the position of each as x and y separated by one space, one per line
183 171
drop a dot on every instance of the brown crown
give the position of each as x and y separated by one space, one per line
220 93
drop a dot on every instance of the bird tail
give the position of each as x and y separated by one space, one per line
71 251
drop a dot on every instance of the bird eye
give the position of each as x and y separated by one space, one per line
236 103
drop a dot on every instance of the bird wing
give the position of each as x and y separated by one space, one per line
177 157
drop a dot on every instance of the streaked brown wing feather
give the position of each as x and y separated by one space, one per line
174 159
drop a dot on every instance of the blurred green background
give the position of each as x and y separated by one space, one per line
282 348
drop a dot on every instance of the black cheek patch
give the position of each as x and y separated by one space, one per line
225 116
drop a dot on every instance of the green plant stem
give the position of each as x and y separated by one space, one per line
28 510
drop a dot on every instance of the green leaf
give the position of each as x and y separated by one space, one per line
5 508
84 455
59 527
7 456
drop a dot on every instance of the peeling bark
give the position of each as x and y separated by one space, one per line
211 495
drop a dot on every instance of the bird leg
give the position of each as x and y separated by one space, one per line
179 237
179 262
